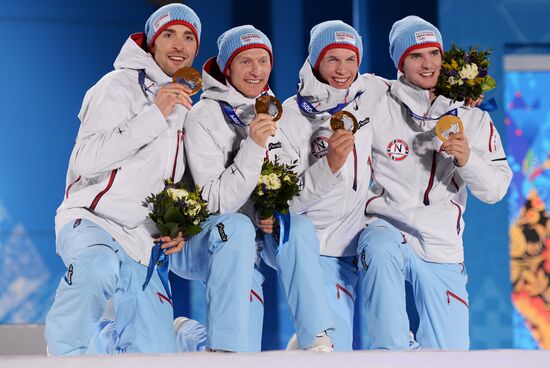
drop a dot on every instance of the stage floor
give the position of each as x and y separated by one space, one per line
279 359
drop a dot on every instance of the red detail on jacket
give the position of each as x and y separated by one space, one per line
431 181
255 294
70 185
109 185
458 218
373 198
491 137
177 152
344 290
451 294
162 296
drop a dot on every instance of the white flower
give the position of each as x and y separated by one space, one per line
260 192
469 71
273 182
177 194
286 178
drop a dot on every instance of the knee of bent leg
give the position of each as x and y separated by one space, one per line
379 240
236 228
95 268
302 233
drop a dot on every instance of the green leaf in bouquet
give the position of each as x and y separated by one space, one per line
174 229
488 84
191 230
265 213
163 229
172 214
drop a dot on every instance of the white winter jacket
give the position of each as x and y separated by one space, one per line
124 150
416 187
330 200
224 161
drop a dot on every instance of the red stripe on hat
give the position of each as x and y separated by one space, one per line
337 46
416 47
177 21
244 48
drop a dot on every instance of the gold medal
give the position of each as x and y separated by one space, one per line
270 105
446 125
189 77
344 120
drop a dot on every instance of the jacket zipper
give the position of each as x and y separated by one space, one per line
100 194
458 217
180 132
431 182
70 185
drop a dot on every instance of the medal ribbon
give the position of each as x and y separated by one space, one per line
308 108
160 261
284 226
424 118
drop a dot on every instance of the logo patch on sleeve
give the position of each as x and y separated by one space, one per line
221 231
397 150
425 36
344 37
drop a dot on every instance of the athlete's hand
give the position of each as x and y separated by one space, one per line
457 146
267 225
170 95
474 103
340 144
261 128
173 245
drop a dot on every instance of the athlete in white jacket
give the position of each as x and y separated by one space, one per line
418 198
130 140
226 143
334 166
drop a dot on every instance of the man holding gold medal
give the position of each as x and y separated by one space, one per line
326 129
427 150
130 140
226 142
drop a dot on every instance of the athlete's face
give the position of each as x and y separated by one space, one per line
422 67
174 48
249 71
339 67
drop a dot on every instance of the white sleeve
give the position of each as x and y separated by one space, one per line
225 189
486 173
316 182
108 135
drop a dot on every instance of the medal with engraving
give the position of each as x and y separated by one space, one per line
446 125
344 120
270 105
190 78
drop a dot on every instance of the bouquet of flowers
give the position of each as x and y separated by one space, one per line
464 75
277 185
177 209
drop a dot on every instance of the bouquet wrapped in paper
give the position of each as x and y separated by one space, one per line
177 209
464 75
277 185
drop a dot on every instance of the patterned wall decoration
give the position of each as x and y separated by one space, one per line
528 128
